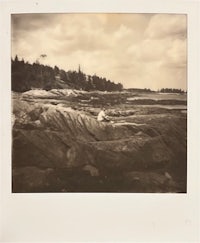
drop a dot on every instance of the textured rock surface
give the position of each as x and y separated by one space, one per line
58 148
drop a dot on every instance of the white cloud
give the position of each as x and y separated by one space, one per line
167 25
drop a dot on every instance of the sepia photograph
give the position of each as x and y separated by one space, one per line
99 102
99 121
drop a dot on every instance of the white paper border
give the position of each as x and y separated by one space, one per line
91 216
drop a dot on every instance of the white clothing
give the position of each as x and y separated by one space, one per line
101 116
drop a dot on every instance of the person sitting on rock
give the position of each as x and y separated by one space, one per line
102 117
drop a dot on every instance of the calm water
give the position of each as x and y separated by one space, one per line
159 96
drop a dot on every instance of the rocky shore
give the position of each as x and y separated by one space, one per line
59 146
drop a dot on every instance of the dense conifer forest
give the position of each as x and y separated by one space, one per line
26 76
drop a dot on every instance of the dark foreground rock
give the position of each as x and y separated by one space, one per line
58 149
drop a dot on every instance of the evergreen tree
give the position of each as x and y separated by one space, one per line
27 76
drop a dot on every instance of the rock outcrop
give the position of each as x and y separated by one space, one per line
57 148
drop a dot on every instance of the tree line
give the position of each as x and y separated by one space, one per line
26 76
169 90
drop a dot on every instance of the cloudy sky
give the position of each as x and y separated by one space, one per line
138 50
